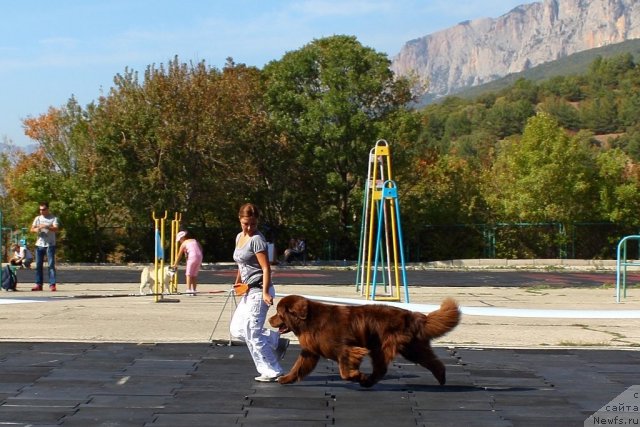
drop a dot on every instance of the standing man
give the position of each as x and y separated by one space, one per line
46 226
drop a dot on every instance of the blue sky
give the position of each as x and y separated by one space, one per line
52 50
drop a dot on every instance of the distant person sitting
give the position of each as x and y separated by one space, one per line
22 256
296 250
288 253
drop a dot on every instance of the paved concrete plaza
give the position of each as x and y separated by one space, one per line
96 354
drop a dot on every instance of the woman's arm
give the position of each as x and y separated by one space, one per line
179 256
263 260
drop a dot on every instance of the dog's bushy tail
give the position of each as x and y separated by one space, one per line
444 319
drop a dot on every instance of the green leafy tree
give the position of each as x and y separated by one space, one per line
629 142
607 73
187 138
600 114
448 192
326 99
522 90
629 103
619 187
65 171
507 117
547 176
565 113
457 124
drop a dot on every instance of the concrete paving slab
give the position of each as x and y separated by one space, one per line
64 319
32 415
118 359
215 398
466 418
195 420
128 401
268 415
98 416
407 396
23 400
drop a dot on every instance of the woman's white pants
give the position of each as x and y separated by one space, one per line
247 325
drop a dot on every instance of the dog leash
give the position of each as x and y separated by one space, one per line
133 295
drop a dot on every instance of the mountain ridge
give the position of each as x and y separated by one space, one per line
574 64
479 51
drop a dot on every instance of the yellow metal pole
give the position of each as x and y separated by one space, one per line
392 260
162 226
159 243
390 194
156 225
381 153
374 212
362 256
175 228
375 195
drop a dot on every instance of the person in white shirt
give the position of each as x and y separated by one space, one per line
46 225
22 256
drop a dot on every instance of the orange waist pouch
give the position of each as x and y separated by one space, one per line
240 288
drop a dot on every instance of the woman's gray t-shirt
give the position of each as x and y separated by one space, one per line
245 257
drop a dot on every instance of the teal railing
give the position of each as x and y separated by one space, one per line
621 266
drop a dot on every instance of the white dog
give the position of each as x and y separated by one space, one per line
147 280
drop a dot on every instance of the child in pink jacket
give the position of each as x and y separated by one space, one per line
192 248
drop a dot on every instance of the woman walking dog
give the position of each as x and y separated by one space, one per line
266 346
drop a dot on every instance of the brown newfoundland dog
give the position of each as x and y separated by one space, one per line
347 334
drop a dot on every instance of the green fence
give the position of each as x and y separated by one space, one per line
429 243
517 240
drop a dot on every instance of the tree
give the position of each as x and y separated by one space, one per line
507 118
607 72
619 185
326 100
546 176
522 90
566 114
600 113
65 171
629 142
187 138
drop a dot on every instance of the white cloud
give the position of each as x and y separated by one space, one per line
59 42
323 8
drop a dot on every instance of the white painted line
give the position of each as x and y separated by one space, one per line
491 311
16 301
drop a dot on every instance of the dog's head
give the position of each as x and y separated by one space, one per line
291 313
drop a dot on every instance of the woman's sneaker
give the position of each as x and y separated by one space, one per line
267 379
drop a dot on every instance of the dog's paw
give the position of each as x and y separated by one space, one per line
366 381
286 379
439 372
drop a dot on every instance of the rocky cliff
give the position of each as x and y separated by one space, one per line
478 51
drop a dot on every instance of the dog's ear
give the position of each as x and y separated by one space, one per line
300 308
